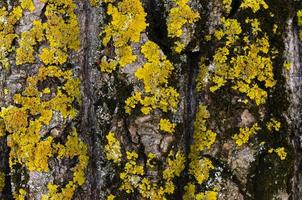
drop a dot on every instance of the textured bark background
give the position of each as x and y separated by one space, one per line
69 135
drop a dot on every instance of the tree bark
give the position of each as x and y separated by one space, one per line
217 115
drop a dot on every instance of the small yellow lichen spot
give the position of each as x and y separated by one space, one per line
151 157
280 152
20 195
287 65
255 5
131 102
2 181
108 65
5 91
208 195
110 197
167 126
299 15
46 91
227 5
273 125
113 148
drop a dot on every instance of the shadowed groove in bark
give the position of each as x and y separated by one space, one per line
4 158
87 112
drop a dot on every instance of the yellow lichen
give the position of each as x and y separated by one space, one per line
247 66
110 197
190 193
2 181
154 74
280 152
227 5
74 148
8 18
25 52
134 177
127 24
255 5
299 15
200 169
167 126
273 124
113 148
20 195
245 133
203 139
28 5
287 65
179 16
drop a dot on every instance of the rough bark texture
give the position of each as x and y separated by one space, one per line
213 125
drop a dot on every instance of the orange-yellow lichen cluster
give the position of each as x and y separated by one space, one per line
180 16
127 24
8 18
200 167
43 100
243 67
154 74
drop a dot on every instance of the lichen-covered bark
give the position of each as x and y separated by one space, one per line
135 99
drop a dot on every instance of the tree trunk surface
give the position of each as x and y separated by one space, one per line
149 99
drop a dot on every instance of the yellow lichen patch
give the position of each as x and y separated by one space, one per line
175 165
53 56
127 24
132 173
108 65
203 138
247 66
134 177
245 133
273 124
280 152
25 52
227 5
113 148
20 195
179 16
255 5
74 148
2 128
201 77
166 126
8 18
208 195
190 194
154 74
2 181
287 65
200 169
151 157
28 5
94 2
28 145
110 197
299 15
